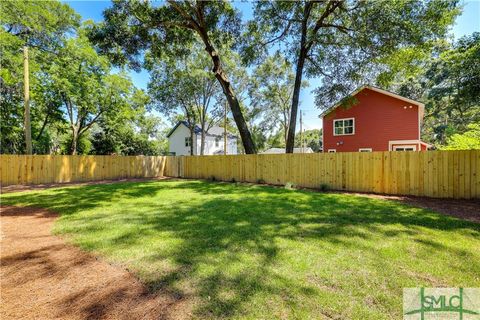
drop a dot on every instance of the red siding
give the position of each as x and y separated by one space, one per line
379 118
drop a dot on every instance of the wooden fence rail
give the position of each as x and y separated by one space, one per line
39 169
445 174
442 174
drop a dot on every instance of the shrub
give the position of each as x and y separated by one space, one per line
233 180
212 178
260 181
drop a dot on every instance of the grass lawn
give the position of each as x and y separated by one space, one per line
259 252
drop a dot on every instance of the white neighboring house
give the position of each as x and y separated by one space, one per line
179 140
282 150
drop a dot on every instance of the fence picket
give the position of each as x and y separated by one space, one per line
449 174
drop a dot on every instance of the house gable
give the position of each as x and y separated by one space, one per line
214 143
182 123
176 140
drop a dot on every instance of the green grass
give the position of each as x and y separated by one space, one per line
250 252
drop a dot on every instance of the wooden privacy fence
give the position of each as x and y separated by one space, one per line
446 174
38 169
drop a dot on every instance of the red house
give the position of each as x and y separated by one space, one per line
378 120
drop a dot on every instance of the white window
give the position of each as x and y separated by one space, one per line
342 127
365 150
332 150
188 141
217 142
405 148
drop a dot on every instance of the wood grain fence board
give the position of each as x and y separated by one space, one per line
448 174
42 169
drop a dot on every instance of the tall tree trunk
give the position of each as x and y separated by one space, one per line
296 97
298 81
45 122
74 143
202 141
192 136
285 125
233 102
200 27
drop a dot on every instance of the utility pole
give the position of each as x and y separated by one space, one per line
225 130
26 89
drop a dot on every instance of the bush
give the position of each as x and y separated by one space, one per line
324 187
260 181
233 180
212 178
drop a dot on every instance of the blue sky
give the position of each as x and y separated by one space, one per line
467 23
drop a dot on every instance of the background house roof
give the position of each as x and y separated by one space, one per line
282 150
214 131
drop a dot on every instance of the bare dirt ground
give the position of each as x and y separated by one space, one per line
42 277
463 209
19 188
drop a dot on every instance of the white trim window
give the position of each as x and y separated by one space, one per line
188 141
332 150
405 148
365 150
217 142
344 127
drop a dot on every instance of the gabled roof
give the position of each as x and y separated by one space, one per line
420 105
214 131
185 123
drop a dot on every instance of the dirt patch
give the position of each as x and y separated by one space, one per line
20 188
42 277
464 209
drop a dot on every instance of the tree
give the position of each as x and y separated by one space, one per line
41 27
271 92
311 138
87 88
469 140
171 88
132 28
134 133
449 84
453 96
344 42
187 83
140 136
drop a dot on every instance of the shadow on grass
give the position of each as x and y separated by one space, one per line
228 237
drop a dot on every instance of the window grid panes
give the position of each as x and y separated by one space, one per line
344 126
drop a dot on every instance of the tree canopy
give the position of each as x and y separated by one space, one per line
201 56
133 30
468 140
73 89
344 43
